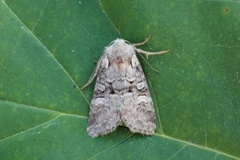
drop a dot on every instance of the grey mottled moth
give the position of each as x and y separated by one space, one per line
121 95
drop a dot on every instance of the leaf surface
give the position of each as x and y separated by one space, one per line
48 51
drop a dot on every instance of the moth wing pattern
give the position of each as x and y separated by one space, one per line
138 111
121 95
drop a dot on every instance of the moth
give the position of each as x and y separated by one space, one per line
121 95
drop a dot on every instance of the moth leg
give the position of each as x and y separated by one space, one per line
149 64
142 43
151 53
94 74
146 52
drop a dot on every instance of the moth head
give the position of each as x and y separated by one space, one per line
118 42
120 49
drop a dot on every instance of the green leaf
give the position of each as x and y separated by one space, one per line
48 50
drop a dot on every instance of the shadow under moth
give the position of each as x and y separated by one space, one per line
121 95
